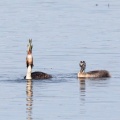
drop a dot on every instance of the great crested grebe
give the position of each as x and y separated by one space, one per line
29 64
91 74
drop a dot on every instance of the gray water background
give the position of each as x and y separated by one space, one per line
63 32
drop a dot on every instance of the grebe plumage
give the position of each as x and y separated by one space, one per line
29 64
91 74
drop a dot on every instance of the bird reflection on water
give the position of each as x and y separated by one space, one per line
82 95
29 99
82 88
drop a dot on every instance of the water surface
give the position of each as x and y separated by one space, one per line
63 33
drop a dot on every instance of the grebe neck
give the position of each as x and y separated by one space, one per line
29 71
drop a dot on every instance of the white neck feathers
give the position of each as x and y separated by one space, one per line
29 71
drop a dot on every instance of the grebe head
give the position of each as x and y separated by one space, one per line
30 46
82 64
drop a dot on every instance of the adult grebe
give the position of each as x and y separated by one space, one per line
91 74
29 64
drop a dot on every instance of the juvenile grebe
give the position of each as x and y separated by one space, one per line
29 64
91 74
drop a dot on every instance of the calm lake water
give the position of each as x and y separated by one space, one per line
63 32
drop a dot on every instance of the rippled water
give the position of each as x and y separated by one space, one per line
63 32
